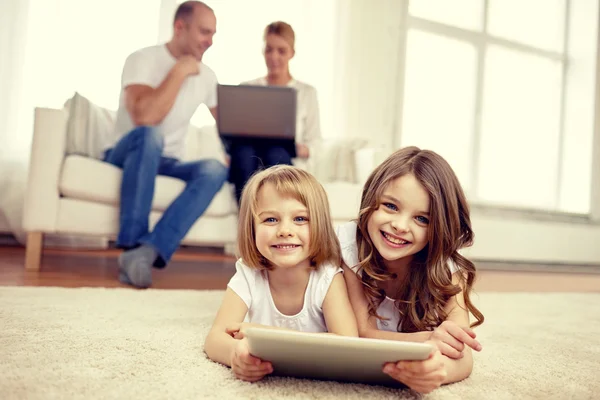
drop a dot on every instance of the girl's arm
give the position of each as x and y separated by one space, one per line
459 368
424 376
223 348
219 345
367 324
337 309
451 335
238 329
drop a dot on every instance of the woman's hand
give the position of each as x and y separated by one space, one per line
422 376
247 367
302 150
451 339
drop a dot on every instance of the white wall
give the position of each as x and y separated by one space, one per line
4 225
367 63
501 238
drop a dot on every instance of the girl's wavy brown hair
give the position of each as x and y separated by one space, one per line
422 299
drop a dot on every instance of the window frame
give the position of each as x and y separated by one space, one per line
481 40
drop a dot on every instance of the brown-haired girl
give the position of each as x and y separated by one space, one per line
405 276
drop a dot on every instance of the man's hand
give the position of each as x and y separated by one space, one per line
247 367
188 65
451 339
302 150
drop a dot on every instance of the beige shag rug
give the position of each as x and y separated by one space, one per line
94 343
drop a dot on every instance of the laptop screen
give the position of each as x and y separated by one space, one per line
257 111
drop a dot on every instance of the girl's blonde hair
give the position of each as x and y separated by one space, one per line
429 286
283 30
302 186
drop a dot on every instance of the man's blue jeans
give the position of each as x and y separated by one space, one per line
139 154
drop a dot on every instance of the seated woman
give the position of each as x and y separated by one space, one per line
249 156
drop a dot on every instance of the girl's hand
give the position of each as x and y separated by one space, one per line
422 376
451 338
247 367
237 330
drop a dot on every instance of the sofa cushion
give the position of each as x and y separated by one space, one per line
334 159
79 217
88 127
88 179
344 200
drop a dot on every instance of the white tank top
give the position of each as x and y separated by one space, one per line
252 286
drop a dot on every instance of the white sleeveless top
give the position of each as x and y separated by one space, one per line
346 234
252 286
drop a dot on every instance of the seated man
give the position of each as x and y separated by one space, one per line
161 88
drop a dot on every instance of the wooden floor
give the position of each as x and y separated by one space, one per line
67 268
193 269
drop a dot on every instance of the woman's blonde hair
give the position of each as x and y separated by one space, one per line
302 186
429 286
283 30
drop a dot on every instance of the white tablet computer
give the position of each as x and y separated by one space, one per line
331 357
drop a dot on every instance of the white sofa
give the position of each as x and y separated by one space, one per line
75 194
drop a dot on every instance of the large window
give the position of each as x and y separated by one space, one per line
504 90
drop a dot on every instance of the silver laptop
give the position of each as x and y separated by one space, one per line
247 111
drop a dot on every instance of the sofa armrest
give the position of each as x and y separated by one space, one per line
45 164
319 163
344 160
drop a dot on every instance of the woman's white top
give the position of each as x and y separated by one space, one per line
308 125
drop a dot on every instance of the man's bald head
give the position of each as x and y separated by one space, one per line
187 8
194 26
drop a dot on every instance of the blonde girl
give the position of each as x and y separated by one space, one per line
289 273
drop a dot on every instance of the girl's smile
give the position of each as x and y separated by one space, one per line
282 229
394 241
398 228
